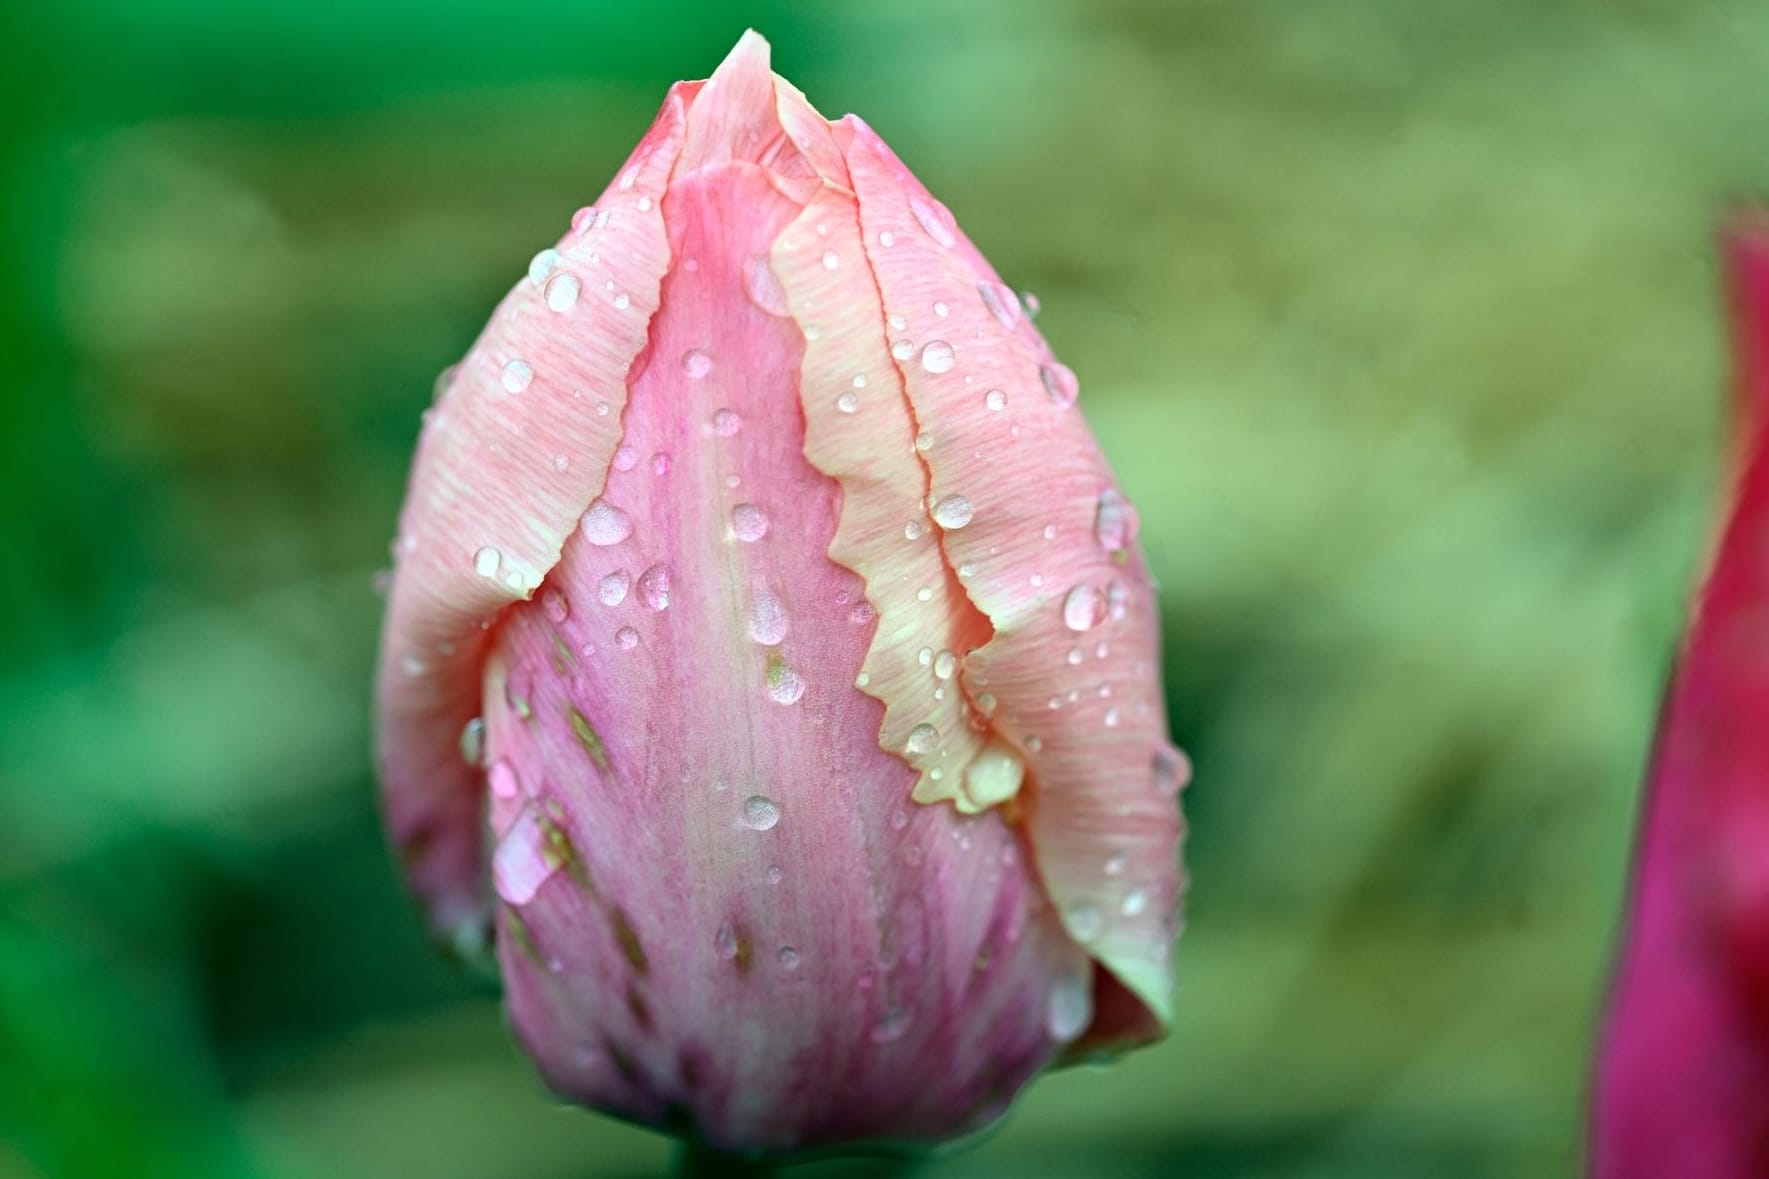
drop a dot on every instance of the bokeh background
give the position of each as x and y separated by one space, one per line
1400 322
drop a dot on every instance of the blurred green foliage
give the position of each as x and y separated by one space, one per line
1399 321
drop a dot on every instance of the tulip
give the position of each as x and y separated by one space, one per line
769 656
1683 1073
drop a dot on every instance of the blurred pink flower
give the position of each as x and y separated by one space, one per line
1683 1075
761 586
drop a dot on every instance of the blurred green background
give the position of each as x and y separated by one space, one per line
1399 321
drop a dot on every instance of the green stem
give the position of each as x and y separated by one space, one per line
702 1162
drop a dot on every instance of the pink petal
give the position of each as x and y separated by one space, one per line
511 453
1683 1082
753 931
1073 661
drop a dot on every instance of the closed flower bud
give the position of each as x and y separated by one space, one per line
771 660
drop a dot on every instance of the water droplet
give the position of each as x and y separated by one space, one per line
696 364
903 349
1117 600
1134 902
1116 863
604 524
612 589
562 291
897 322
561 463
660 464
622 302
933 219
654 587
887 239
922 738
1114 522
1171 770
725 942
890 1027
925 594
518 375
523 860
1030 301
952 511
583 219
760 813
1001 304
830 261
1111 718
924 442
775 875
487 561
945 664
1083 607
848 402
1070 1007
913 530
503 780
899 819
1059 381
995 399
1075 656
543 264
1050 532
748 523
557 608
1085 922
763 287
1034 743
644 203
789 958
937 356
994 775
941 310
767 619
726 423
473 741
986 703
628 177
785 685
627 637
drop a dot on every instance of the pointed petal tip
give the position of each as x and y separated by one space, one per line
752 53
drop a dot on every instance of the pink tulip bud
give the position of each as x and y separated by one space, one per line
794 631
1683 1076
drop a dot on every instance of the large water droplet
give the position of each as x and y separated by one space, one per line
767 619
726 423
518 375
748 522
696 364
1085 922
937 356
654 587
1070 1007
952 511
523 861
487 561
612 589
994 775
934 219
543 264
760 813
945 664
785 686
605 524
1083 607
921 738
562 291
891 1026
1001 302
1059 381
1114 522
763 287
473 741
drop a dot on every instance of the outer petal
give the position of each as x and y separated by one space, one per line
723 911
514 449
1683 1079
1042 541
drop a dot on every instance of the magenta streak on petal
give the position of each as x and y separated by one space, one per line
923 953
